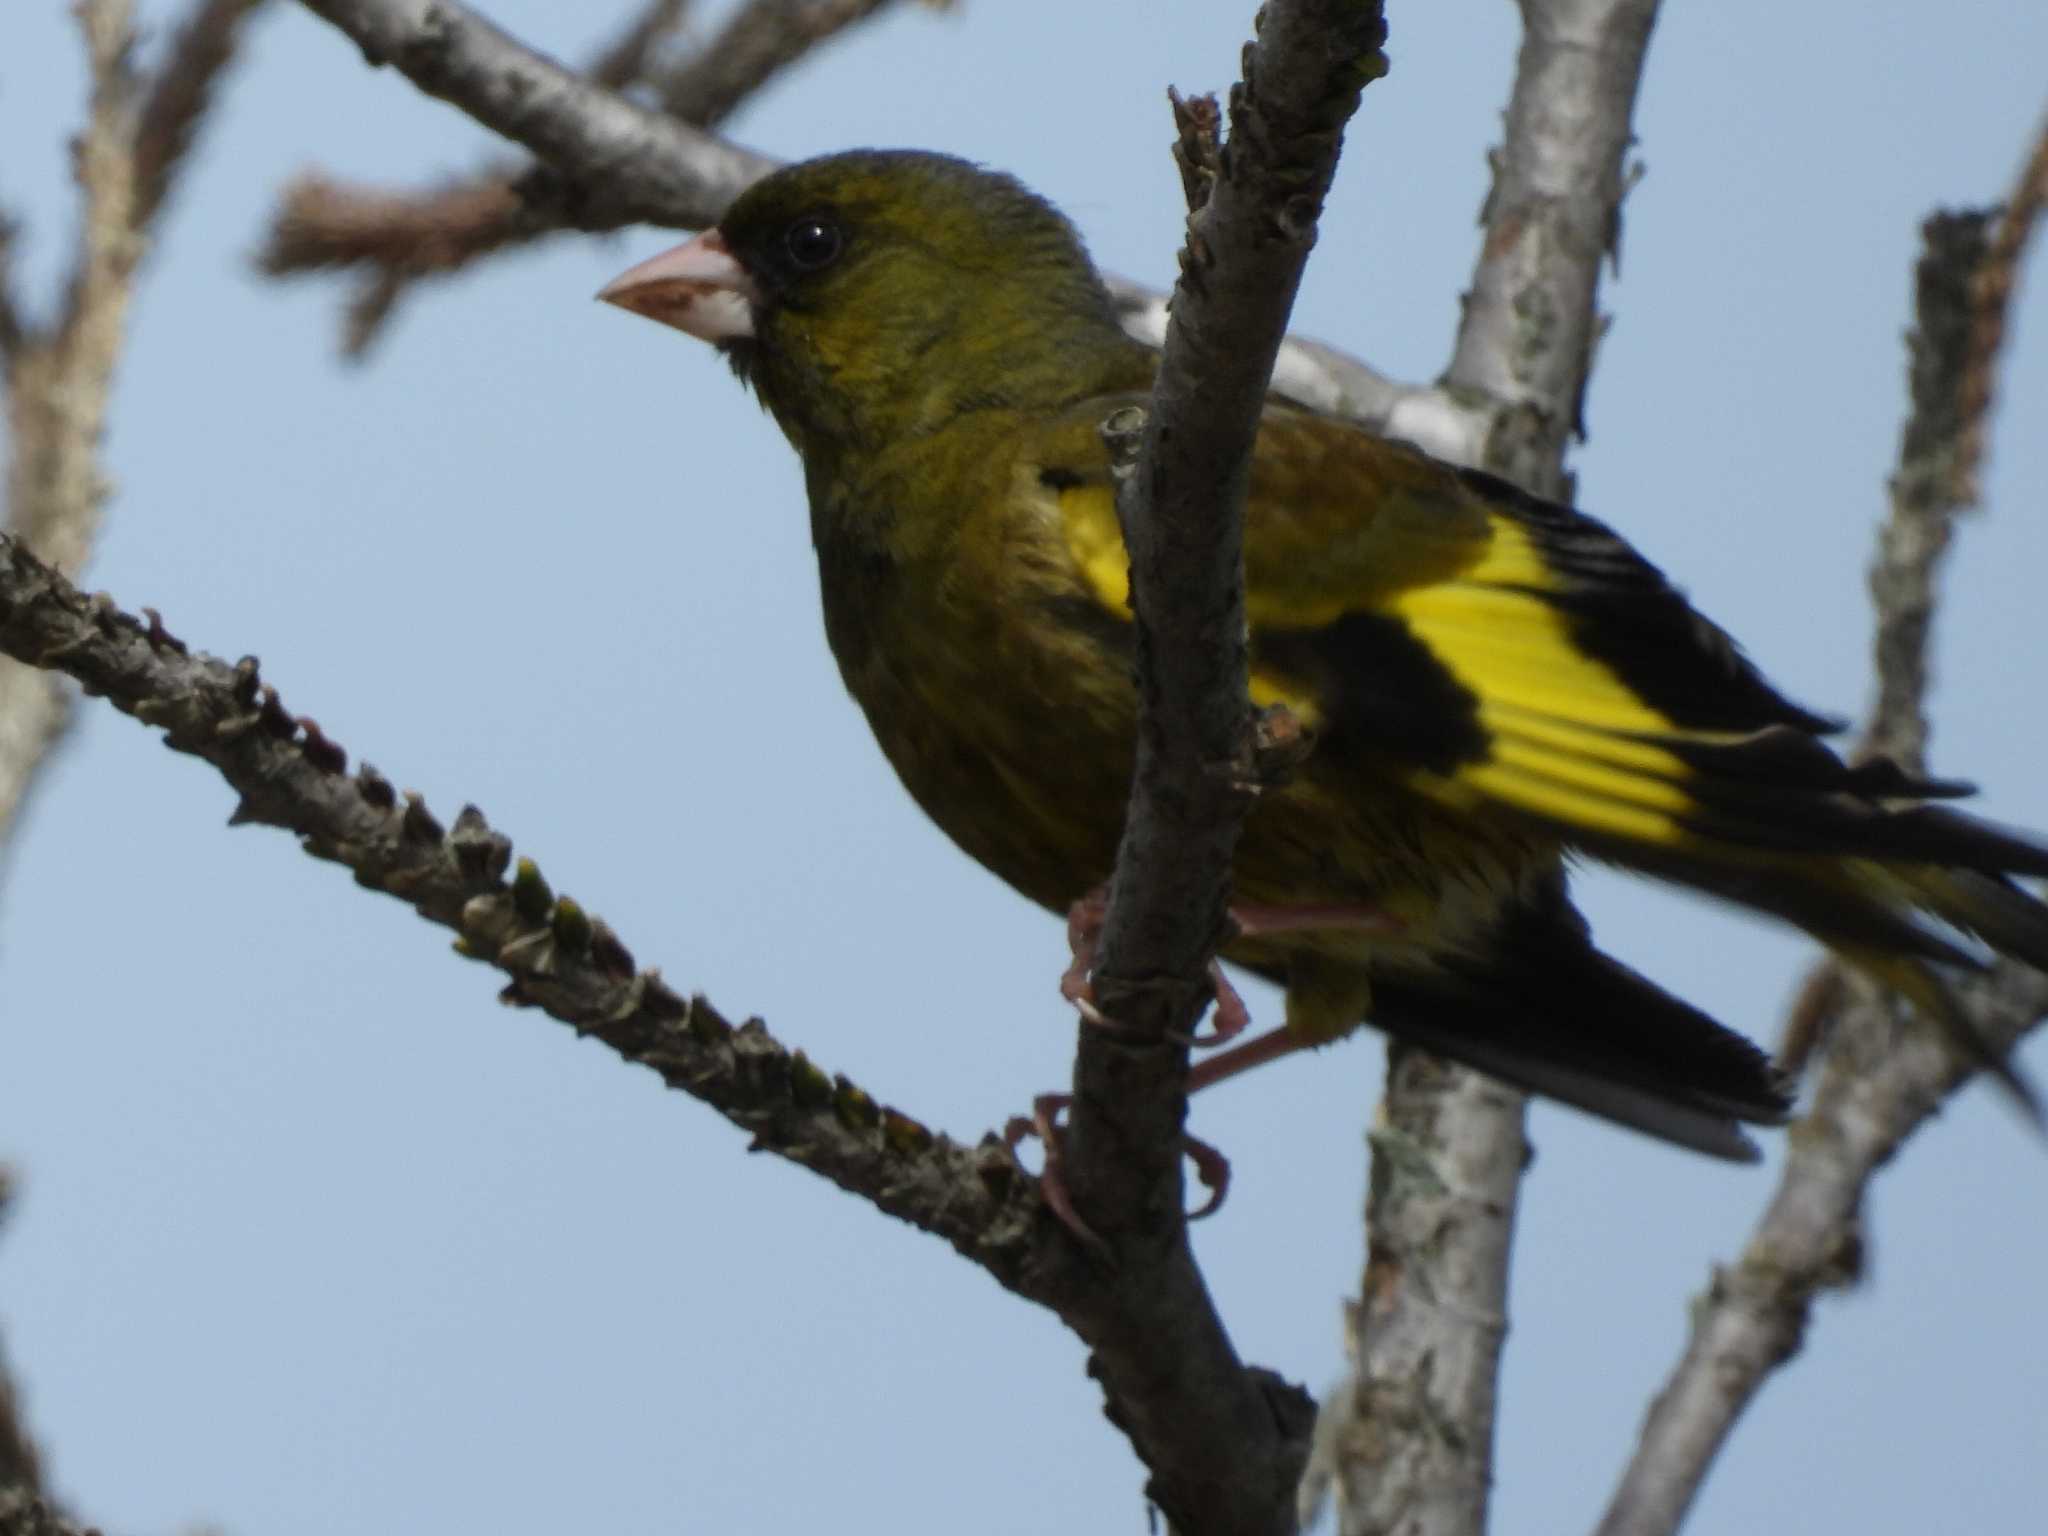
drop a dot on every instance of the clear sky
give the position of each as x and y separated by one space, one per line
316 1238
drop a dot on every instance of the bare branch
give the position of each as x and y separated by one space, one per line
288 774
23 1513
1990 299
1925 489
58 384
1222 1459
403 236
1416 1448
631 55
1884 1074
1878 1086
760 40
180 92
563 960
21 1465
617 163
14 327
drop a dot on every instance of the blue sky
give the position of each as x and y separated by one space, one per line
314 1237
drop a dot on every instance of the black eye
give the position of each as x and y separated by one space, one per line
813 242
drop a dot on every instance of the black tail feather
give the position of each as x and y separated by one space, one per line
1546 1011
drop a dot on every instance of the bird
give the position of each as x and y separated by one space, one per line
1490 686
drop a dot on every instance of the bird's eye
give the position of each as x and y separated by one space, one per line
813 243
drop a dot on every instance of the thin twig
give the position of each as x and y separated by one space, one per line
1990 302
180 92
617 163
628 58
1925 490
758 42
14 326
1883 1075
21 1465
320 223
58 382
401 237
1221 1458
1413 1447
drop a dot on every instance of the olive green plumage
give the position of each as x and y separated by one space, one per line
1492 681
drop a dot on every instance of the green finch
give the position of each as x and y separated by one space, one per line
1490 682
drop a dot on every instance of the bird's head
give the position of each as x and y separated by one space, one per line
879 293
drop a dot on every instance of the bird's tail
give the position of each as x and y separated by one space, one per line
1901 906
1545 1010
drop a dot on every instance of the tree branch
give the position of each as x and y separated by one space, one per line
180 92
24 1513
759 41
630 56
1990 302
21 1465
58 382
563 960
1411 1445
559 958
401 237
1222 1457
14 327
1884 1074
618 163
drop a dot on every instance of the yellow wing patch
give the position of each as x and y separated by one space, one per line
1088 519
1568 739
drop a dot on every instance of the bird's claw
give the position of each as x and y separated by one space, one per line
1084 935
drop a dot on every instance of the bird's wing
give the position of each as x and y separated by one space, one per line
1497 651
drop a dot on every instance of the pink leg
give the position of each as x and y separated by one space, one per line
1084 935
1232 1018
1212 1168
1044 1123
1270 1046
1256 921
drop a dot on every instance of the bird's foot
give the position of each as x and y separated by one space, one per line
1084 938
1231 1018
1044 1123
1212 1168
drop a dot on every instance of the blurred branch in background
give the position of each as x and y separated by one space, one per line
1883 1073
1408 1441
58 377
21 1465
612 162
399 237
140 128
1990 304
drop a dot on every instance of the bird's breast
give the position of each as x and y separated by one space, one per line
1006 716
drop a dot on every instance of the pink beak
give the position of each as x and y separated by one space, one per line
697 287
